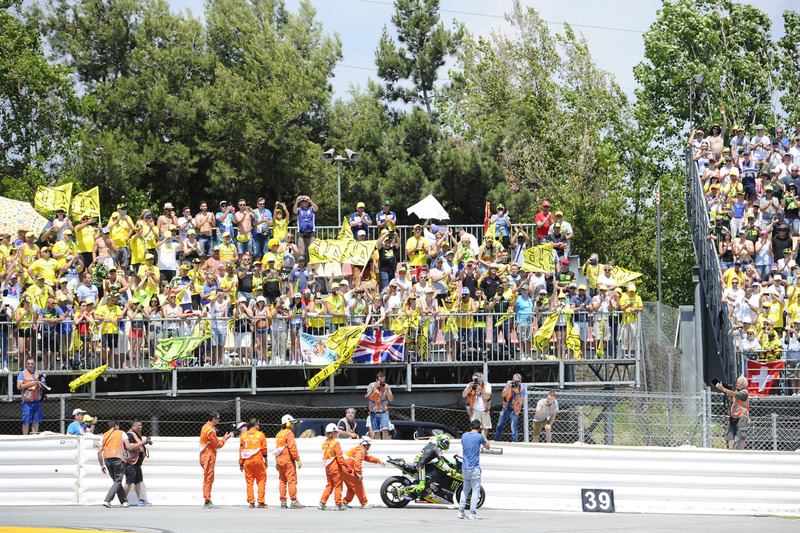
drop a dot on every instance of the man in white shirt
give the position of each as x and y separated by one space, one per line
761 148
479 405
606 278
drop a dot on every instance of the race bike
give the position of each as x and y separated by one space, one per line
441 487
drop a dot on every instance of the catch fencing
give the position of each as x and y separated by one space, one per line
595 417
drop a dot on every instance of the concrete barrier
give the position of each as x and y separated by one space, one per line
65 470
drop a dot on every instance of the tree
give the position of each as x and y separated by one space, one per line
424 45
789 66
37 109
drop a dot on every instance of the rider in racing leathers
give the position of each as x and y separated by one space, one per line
430 454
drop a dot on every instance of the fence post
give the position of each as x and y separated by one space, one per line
525 415
409 375
253 380
703 422
93 389
709 433
10 386
413 413
63 402
154 429
774 432
581 425
238 403
174 382
560 374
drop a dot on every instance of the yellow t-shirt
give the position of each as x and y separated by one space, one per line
85 239
29 254
636 301
730 274
106 311
337 305
46 267
279 228
119 233
227 251
150 237
420 257
64 249
277 257
230 282
38 295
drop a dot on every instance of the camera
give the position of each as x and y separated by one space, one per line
517 384
724 385
149 441
475 383
381 384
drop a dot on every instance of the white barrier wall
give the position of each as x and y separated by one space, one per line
65 470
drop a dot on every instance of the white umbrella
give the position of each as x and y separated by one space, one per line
429 207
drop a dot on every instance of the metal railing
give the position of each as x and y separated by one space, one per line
709 269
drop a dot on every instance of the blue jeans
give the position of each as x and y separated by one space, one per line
4 347
507 414
794 224
258 244
472 483
386 277
764 270
242 246
205 244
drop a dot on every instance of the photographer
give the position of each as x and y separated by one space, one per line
479 405
545 414
31 383
134 457
379 394
513 398
739 411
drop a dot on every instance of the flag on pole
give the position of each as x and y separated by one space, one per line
486 213
762 378
48 199
86 203
314 350
86 377
345 232
343 343
624 276
170 351
539 259
376 347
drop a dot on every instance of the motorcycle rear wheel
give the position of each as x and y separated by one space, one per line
457 496
389 493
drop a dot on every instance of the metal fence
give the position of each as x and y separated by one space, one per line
591 417
262 341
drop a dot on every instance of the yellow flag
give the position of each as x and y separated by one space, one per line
86 203
358 253
327 251
400 324
623 276
422 341
53 198
491 229
539 259
542 338
345 233
573 340
83 379
343 343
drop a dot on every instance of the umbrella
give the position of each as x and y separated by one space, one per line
16 215
429 207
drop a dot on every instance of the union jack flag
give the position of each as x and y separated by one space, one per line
378 346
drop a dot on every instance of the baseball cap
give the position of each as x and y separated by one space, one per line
759 127
78 411
87 418
360 204
581 287
242 298
746 152
559 214
67 231
361 232
545 204
465 290
403 268
565 261
631 287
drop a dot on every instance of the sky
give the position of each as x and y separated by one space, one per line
612 28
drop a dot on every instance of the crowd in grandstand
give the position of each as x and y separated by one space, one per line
751 188
84 293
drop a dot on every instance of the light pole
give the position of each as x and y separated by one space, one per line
330 155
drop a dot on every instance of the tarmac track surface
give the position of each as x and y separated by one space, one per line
166 519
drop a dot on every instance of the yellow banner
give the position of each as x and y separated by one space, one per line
542 338
624 277
49 199
573 340
345 232
86 203
327 251
491 229
343 343
88 377
539 259
359 253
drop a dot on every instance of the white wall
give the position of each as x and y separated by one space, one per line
64 470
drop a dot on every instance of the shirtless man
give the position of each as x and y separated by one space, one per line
716 140
213 263
104 248
203 224
167 219
743 249
243 218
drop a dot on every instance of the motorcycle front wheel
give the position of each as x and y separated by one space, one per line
457 496
389 492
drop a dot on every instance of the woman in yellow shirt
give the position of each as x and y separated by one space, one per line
25 318
280 222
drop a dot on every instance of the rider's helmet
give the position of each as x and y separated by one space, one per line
443 441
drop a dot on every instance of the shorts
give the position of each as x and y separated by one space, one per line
737 428
379 421
793 369
627 340
537 428
136 333
31 412
483 417
583 329
524 332
25 333
243 339
218 337
750 193
133 474
110 340
124 256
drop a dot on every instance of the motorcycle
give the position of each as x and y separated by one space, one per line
441 487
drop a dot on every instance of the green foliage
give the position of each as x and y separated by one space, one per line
37 109
789 66
423 45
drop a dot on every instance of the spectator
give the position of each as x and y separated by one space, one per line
521 242
470 470
280 224
360 220
204 224
716 138
582 306
121 226
168 219
305 210
386 219
631 303
348 428
262 223
243 219
417 251
544 219
224 219
792 347
761 146
739 140
502 222
185 223
77 427
523 318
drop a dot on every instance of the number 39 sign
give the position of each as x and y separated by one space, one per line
597 500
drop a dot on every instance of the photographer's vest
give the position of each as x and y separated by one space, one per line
132 456
377 400
512 400
739 408
350 428
112 444
31 394
471 401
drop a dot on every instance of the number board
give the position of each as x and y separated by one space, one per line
597 500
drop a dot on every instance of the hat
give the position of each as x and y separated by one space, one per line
223 203
403 268
631 287
306 291
581 287
601 287
465 290
559 214
699 131
768 188
565 261
545 204
67 231
173 226
785 250
226 234
774 266
360 204
196 260
413 295
112 269
149 256
733 172
106 230
759 127
331 428
215 248
386 202
184 266
435 228
562 296
746 152
417 226
297 295
450 252
344 282
78 411
30 234
334 286
168 206
438 259
361 232
287 419
751 215
765 304
49 282
242 298
87 418
778 277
